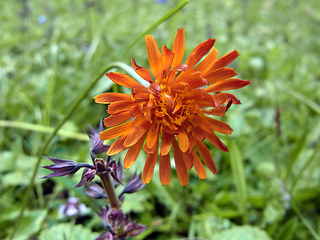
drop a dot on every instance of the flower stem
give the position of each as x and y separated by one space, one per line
110 191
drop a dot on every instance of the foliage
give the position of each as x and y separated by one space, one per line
267 185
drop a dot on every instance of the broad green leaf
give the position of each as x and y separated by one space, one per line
68 231
241 233
30 223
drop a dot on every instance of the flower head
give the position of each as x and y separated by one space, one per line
174 111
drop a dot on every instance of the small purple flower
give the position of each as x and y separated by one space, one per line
97 145
133 185
95 191
114 220
87 176
42 19
162 1
72 207
64 167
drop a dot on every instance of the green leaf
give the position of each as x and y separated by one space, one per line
285 232
68 231
29 224
242 233
239 177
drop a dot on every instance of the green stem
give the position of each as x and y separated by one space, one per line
156 24
42 129
110 191
72 109
305 166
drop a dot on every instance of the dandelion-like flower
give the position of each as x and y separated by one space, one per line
174 110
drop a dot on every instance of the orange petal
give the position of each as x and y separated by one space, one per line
166 143
164 169
188 159
121 106
192 141
117 146
149 166
118 118
215 141
228 84
133 153
199 51
206 156
116 131
111 97
216 111
183 141
140 92
220 74
178 48
198 166
136 134
153 135
154 57
205 65
203 123
181 168
122 79
220 127
221 98
225 60
142 72
167 57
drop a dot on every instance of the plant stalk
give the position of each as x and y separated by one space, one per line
110 191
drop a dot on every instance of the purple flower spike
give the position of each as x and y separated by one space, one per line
64 167
87 176
97 145
133 185
115 220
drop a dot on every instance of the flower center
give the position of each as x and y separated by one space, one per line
172 109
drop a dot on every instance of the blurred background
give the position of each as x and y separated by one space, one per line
268 185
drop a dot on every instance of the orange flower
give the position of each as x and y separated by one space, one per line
174 110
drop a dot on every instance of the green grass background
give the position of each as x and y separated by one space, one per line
268 185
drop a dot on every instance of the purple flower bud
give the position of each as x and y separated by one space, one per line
97 145
87 176
133 185
72 208
117 173
64 167
134 229
95 191
115 218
